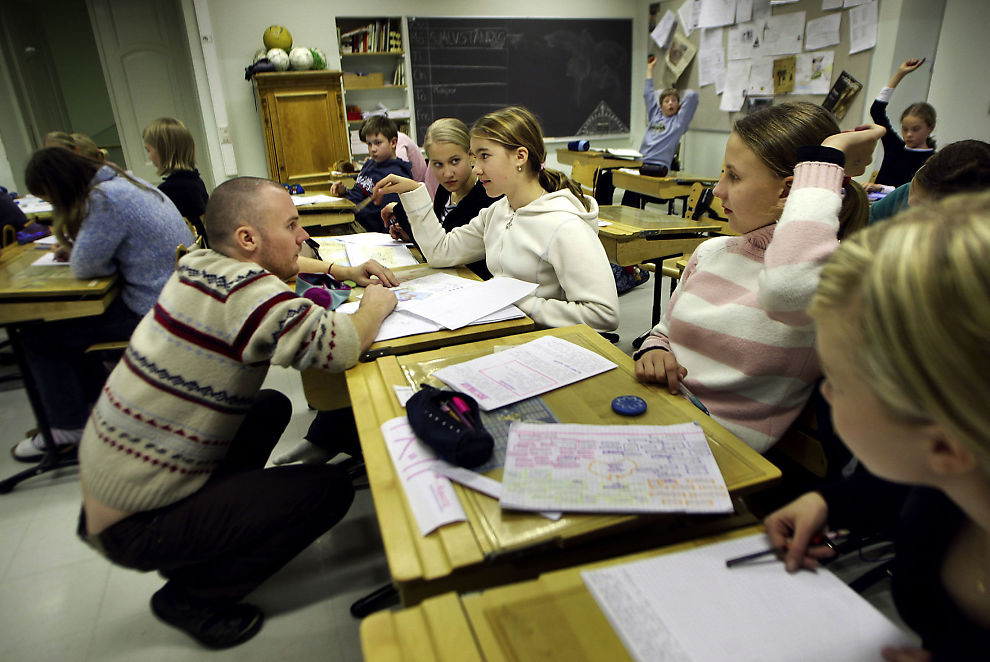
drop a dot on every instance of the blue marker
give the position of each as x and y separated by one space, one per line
693 399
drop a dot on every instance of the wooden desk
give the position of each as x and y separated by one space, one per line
41 294
495 547
596 158
674 185
326 391
642 235
336 216
551 618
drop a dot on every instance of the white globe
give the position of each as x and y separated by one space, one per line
279 58
300 59
260 53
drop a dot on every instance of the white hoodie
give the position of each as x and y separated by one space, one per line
552 242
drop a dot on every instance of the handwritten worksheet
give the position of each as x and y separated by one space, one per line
460 307
688 607
523 371
612 468
431 496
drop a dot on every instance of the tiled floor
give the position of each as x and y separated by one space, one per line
60 601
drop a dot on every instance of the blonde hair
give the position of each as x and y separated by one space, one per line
775 133
448 130
912 296
77 142
516 127
174 144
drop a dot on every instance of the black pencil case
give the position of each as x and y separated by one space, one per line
456 436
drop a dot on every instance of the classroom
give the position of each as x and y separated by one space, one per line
60 601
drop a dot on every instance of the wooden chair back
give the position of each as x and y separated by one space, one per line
586 175
9 236
701 203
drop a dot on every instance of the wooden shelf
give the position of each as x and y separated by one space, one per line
374 54
379 89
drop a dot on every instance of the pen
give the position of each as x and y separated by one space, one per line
693 399
450 412
780 549
463 409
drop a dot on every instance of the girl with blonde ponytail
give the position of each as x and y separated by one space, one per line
544 230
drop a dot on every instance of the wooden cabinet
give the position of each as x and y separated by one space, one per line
302 115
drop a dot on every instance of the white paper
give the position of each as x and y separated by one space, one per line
50 240
612 468
742 42
760 77
744 11
523 371
48 260
431 497
711 57
688 607
403 393
465 305
761 10
479 483
736 82
390 255
31 204
782 35
822 32
424 287
304 200
688 16
831 4
862 27
813 72
369 239
716 13
400 324
624 153
661 33
854 3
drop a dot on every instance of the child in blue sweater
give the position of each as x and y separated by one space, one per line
381 136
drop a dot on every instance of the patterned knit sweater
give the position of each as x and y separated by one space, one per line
193 367
737 321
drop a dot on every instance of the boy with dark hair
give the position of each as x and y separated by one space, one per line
381 136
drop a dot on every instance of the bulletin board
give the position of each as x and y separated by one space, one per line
708 115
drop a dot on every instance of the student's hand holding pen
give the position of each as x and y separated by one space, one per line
794 526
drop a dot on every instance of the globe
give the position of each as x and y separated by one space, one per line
279 58
277 36
260 53
300 59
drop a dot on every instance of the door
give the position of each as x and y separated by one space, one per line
145 54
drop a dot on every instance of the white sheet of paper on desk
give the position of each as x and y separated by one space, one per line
425 287
688 607
391 255
523 371
50 240
400 324
623 153
474 301
480 483
612 468
48 260
431 497
31 204
369 239
304 200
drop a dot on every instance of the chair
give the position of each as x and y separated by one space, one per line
9 236
702 201
586 175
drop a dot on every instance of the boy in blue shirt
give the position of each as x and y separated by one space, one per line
381 135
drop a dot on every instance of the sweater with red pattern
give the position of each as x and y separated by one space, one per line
737 320
193 367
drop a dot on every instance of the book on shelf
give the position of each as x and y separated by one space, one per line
381 36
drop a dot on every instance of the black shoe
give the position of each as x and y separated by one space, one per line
213 625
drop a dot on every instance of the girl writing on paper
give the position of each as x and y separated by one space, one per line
903 319
544 230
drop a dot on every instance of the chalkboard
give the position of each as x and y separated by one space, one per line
574 74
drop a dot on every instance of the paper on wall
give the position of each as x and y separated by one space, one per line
661 33
862 27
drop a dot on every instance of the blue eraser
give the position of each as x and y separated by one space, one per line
629 405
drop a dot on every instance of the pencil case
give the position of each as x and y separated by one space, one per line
322 289
449 423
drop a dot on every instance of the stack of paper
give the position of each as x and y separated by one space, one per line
689 606
378 246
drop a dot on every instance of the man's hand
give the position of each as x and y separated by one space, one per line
372 273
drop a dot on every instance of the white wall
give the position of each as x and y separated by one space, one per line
960 88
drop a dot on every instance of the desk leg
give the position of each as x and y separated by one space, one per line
52 459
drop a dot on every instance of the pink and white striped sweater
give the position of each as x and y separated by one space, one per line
737 320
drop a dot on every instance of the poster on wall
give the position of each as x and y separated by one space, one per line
841 95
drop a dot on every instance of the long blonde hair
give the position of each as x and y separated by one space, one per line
174 144
516 127
912 296
448 130
775 133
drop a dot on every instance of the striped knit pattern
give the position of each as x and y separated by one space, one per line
737 320
194 366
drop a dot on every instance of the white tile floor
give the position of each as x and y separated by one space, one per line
60 601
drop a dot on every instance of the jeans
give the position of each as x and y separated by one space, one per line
243 525
68 379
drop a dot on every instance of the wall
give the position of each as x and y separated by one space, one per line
960 89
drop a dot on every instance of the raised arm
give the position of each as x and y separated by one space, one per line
906 67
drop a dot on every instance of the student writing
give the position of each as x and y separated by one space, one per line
735 330
903 317
544 230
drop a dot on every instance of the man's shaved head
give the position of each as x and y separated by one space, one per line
233 204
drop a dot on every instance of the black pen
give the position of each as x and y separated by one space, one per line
821 538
